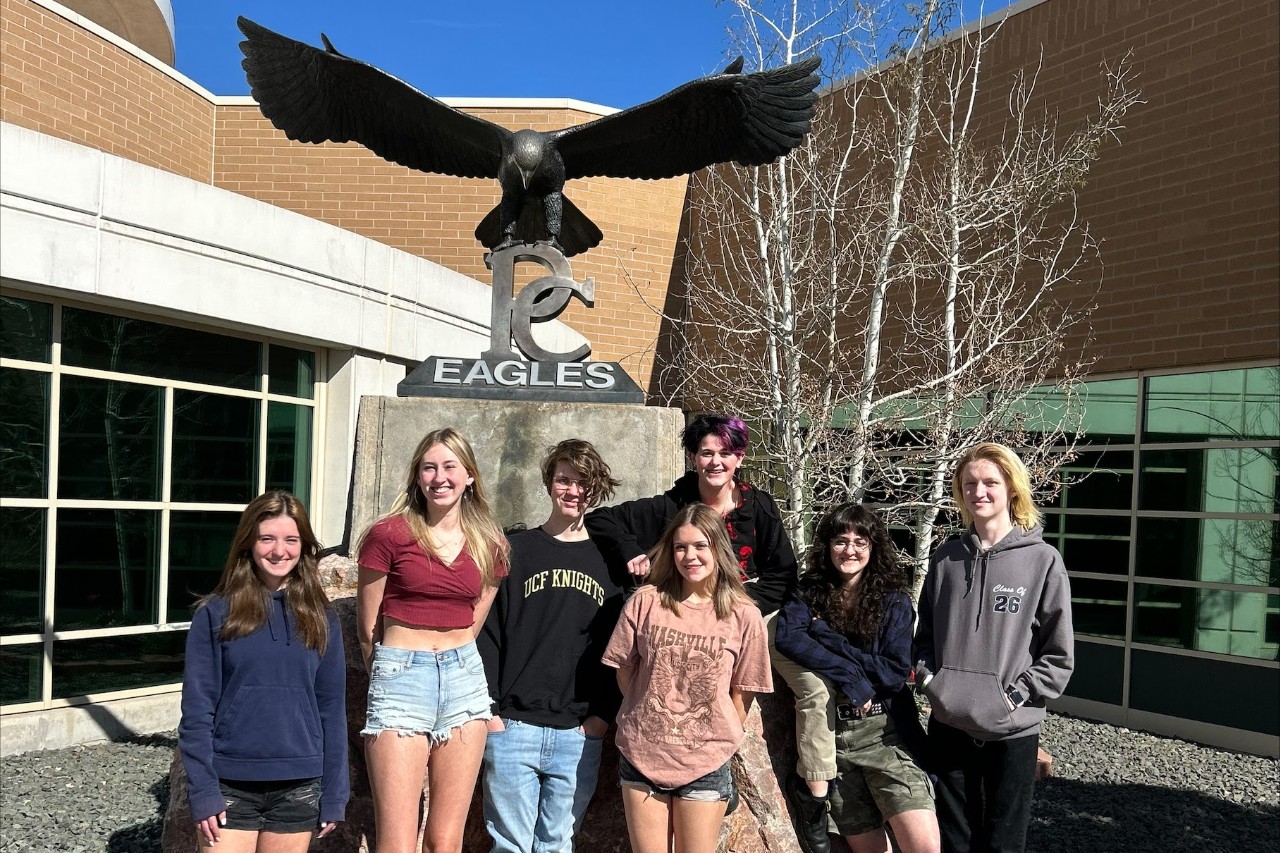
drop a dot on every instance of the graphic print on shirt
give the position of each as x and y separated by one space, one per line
682 690
564 579
1007 599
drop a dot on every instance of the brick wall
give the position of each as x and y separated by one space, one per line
1188 205
62 80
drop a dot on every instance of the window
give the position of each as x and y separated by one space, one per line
128 448
1169 524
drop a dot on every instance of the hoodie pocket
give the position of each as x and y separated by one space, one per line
970 700
266 721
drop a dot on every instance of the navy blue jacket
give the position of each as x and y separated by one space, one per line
263 707
861 674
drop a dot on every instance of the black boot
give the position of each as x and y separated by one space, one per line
810 817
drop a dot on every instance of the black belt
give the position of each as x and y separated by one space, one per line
847 713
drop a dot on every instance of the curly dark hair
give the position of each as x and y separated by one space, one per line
821 587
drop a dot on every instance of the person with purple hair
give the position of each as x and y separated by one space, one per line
715 445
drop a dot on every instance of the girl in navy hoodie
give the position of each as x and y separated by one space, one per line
263 735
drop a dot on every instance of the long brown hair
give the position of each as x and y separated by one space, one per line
664 575
485 542
822 587
249 600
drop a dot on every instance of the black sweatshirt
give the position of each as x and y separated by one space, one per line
547 630
760 542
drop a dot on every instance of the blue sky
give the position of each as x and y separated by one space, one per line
611 53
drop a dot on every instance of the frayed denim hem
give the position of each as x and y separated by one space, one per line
436 736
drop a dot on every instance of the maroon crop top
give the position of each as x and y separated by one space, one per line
422 590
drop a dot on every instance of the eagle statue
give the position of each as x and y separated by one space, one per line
315 95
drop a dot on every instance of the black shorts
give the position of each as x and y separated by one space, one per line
287 805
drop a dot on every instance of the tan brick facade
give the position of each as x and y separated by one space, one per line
1186 206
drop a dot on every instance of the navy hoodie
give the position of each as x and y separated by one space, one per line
263 708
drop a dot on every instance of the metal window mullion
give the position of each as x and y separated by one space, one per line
1131 606
263 407
1182 583
51 516
320 394
166 495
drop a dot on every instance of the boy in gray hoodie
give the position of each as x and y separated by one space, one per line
994 642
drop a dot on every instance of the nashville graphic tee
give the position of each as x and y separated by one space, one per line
677 721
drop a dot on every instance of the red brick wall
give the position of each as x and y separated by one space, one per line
62 80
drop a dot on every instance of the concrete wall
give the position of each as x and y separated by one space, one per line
641 445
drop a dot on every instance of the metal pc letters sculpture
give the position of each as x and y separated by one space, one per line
316 95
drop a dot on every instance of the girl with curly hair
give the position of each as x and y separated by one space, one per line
850 622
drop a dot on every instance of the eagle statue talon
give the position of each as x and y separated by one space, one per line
316 95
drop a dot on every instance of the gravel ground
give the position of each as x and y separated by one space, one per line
1113 790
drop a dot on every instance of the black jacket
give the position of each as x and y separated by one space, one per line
760 542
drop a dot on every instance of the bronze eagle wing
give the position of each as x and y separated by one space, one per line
315 95
749 119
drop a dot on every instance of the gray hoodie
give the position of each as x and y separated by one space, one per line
993 619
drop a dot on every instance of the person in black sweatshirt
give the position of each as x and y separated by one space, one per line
541 645
263 735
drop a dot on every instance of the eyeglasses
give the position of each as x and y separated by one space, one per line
860 545
562 482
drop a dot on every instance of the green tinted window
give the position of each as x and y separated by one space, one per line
198 547
25 329
122 344
1098 607
1225 404
107 568
22 546
1207 620
1211 550
215 443
289 448
109 444
20 673
85 667
292 372
24 430
1097 480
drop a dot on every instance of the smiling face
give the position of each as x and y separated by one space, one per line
694 558
443 479
850 552
715 463
568 492
276 550
986 493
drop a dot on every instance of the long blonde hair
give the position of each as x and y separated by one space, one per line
666 578
1017 479
483 535
249 600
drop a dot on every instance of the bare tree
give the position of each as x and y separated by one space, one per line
903 285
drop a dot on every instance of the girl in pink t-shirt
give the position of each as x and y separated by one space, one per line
690 650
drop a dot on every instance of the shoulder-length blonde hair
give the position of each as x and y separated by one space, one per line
485 542
664 575
1016 478
248 598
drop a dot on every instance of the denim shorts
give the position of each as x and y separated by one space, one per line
290 805
716 786
427 693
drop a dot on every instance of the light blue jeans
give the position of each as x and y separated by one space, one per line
537 784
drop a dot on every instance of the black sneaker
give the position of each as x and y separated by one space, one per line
810 817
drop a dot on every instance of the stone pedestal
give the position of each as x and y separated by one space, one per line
641 445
